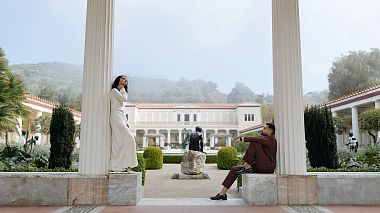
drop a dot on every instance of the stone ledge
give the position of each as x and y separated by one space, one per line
297 189
348 188
69 188
312 188
259 189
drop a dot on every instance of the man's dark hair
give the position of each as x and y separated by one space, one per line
351 134
272 127
198 129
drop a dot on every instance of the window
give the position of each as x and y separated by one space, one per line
178 117
249 117
126 116
195 117
187 117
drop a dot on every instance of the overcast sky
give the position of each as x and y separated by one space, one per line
224 41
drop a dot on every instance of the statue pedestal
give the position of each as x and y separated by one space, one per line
193 163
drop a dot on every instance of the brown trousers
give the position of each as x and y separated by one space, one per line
253 155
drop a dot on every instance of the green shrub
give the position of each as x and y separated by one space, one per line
177 159
320 137
211 158
153 158
140 167
14 157
352 169
34 169
173 159
62 129
227 158
371 156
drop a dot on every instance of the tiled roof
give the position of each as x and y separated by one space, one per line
350 95
45 103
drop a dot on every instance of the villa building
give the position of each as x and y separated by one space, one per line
166 125
349 107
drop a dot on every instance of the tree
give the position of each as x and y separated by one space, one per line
353 72
267 113
42 124
370 121
240 93
11 98
320 137
340 128
62 129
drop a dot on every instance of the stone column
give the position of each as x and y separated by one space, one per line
212 142
180 136
355 123
97 79
377 104
287 83
228 141
145 142
168 137
38 128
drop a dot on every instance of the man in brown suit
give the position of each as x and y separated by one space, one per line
260 157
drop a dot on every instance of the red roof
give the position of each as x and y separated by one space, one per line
35 100
350 95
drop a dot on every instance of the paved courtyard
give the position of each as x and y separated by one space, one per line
158 183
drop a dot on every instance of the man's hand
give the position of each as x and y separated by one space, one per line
237 142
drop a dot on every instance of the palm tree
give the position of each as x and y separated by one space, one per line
11 97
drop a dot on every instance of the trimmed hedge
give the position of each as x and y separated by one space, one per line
153 158
34 169
177 159
173 159
212 159
353 169
227 158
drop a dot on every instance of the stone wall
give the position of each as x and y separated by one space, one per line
69 188
311 189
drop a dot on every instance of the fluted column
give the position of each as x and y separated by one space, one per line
287 83
97 80
377 104
145 142
180 136
168 137
355 122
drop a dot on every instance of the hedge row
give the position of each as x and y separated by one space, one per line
177 159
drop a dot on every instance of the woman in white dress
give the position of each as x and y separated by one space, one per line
123 148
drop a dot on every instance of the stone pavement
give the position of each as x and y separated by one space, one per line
158 183
166 195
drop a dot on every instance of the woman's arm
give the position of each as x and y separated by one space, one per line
121 95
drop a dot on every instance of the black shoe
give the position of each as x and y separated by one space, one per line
245 171
219 197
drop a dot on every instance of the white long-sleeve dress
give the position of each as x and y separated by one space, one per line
123 147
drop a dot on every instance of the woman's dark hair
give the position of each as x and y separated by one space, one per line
116 83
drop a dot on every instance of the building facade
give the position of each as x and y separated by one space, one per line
349 107
38 107
166 125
